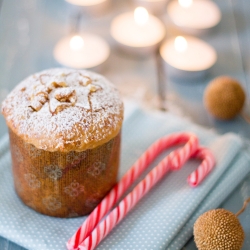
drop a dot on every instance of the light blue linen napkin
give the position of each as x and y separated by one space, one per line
163 219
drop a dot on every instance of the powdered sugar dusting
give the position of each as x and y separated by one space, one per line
64 110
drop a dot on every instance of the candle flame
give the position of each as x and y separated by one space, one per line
141 15
180 44
76 43
185 3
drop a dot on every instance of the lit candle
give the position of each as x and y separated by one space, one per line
95 7
138 32
188 57
194 15
154 6
85 51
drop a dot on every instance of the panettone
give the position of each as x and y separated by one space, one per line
64 128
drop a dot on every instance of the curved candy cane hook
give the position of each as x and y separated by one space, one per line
89 234
207 164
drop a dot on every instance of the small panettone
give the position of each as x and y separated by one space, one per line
218 229
64 128
224 97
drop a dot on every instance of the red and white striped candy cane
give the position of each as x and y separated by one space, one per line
135 171
118 213
205 167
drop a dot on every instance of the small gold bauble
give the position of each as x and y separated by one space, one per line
224 97
218 229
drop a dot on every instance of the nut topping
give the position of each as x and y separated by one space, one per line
59 91
61 107
56 106
85 81
92 88
65 95
36 105
44 79
59 84
42 98
53 85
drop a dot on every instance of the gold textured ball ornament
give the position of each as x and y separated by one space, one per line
224 97
218 229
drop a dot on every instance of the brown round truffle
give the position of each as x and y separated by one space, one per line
218 229
224 97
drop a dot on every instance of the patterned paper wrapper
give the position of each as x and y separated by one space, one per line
63 184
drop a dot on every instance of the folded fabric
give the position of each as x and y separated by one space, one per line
163 219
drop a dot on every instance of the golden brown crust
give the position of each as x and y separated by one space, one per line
64 110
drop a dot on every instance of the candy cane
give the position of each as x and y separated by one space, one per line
118 213
205 167
135 171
